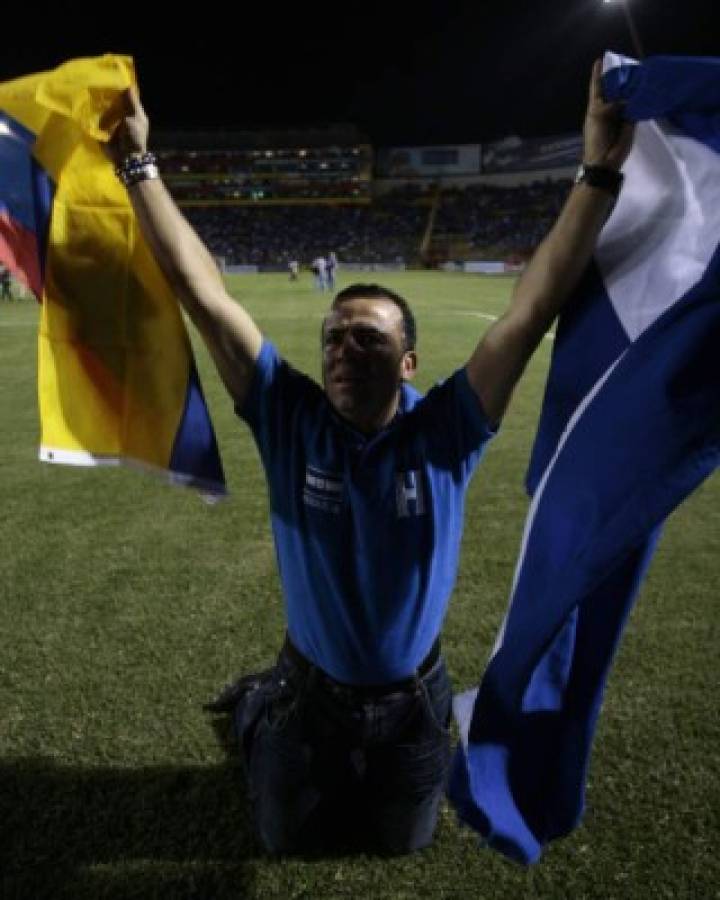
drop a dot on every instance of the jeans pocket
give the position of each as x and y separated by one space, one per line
437 701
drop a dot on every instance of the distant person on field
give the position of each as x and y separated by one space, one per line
5 292
294 267
319 268
331 270
367 481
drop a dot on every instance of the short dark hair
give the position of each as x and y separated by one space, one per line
378 292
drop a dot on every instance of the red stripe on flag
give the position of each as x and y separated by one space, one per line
19 252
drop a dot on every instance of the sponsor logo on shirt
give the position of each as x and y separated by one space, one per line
409 493
323 490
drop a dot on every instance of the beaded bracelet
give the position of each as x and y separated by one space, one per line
137 167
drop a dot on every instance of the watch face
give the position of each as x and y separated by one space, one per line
580 174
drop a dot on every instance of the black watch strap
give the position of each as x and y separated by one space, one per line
609 180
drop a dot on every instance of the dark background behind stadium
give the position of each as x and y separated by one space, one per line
408 73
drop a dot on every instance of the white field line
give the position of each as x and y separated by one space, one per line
478 315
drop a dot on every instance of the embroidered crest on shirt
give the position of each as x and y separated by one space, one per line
323 490
409 493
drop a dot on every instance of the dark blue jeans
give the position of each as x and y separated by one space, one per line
326 762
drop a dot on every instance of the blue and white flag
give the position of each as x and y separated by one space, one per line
630 426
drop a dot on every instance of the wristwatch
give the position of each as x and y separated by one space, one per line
609 180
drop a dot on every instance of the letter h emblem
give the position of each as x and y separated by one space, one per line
409 493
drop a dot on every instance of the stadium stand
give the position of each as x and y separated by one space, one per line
263 198
270 236
500 222
236 167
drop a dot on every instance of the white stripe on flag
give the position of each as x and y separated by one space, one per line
537 496
663 231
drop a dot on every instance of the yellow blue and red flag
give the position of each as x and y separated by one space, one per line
117 381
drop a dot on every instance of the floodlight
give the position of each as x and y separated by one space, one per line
634 34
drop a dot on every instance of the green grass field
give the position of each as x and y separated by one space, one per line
125 603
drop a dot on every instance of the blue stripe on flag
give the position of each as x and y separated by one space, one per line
588 339
43 194
683 90
195 455
26 190
16 144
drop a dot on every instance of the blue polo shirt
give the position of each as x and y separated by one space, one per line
367 528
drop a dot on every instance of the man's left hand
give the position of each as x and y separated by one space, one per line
607 137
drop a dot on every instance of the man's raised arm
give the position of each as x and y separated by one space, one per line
556 266
230 334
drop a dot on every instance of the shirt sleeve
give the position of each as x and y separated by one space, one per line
277 394
457 427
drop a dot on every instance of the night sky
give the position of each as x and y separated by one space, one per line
405 73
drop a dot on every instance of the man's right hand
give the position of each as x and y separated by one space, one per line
230 334
131 135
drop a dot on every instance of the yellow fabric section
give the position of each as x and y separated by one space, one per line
114 356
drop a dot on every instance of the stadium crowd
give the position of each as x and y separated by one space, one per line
512 220
509 221
274 235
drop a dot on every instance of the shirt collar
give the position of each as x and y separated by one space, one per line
408 399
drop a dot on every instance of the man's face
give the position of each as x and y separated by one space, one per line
364 360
